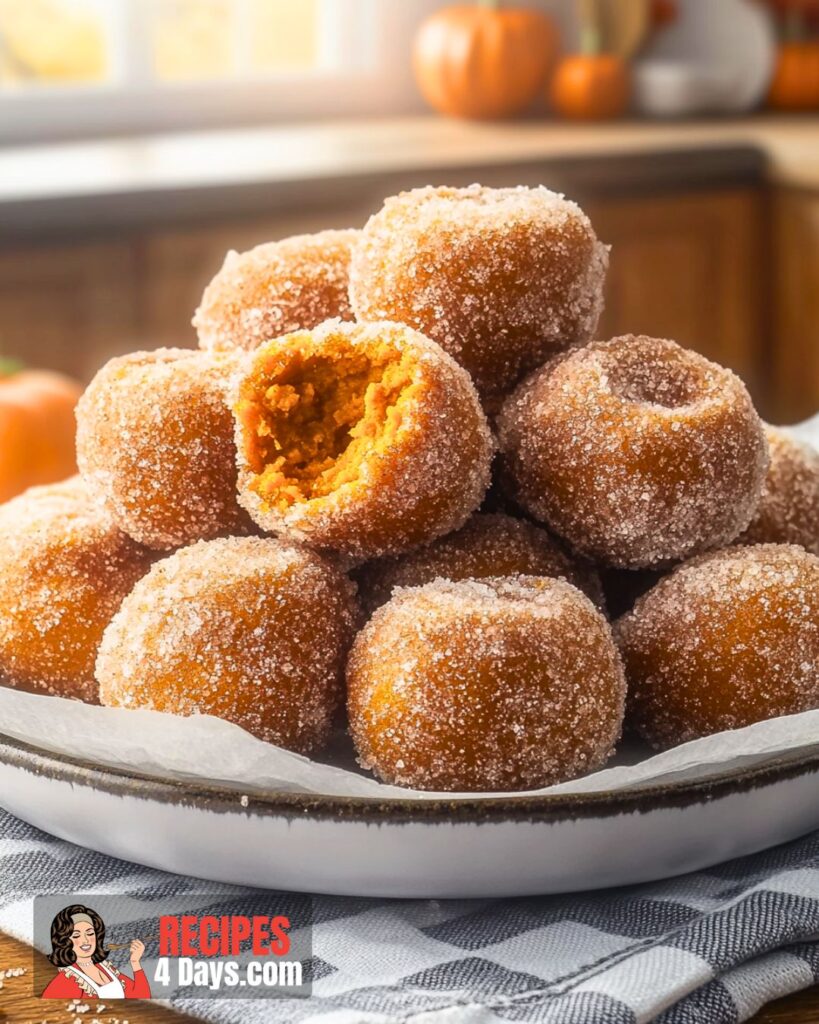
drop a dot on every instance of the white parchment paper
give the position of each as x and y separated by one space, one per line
208 749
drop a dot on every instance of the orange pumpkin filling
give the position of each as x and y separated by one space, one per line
312 419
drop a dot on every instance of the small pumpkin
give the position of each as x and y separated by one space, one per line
590 85
481 61
795 82
36 428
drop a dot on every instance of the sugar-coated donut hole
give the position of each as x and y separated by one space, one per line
634 451
289 285
788 511
488 545
251 629
485 685
362 439
500 278
64 570
726 640
155 445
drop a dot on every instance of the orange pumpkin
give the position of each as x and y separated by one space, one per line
483 62
591 87
795 82
36 428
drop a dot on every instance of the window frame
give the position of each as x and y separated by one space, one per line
353 81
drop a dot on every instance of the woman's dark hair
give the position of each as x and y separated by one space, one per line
62 927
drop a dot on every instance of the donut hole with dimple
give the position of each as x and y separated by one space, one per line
635 451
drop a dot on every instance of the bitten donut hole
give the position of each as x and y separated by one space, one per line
361 438
314 419
667 383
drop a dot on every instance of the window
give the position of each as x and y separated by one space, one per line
201 39
50 41
71 67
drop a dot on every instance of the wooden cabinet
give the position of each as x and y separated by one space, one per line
733 273
691 267
69 307
794 357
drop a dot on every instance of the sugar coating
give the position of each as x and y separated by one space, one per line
728 639
788 511
64 569
637 452
487 685
276 288
423 464
488 545
251 629
155 446
500 278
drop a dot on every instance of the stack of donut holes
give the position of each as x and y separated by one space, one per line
401 476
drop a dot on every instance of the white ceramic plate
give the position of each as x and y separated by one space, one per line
505 846
497 846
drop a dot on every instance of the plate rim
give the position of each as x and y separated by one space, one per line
216 798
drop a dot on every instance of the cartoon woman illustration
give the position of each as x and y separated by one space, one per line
84 971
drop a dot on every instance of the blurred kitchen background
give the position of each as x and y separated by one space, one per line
141 139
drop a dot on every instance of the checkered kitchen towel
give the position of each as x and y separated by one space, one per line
709 948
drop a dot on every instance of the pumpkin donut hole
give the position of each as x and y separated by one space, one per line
64 570
488 545
249 629
726 640
635 451
788 511
276 288
485 685
155 446
359 438
500 278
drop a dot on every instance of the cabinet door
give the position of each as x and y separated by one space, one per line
690 267
795 356
68 307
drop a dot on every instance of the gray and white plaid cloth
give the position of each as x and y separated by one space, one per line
707 948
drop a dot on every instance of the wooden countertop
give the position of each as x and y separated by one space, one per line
114 178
